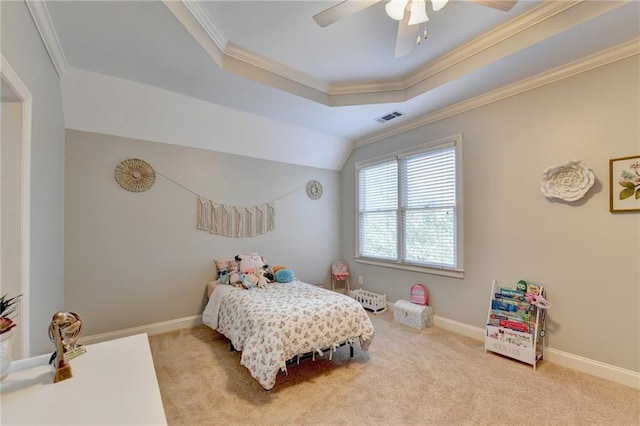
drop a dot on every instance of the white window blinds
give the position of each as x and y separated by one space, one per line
407 209
428 207
378 200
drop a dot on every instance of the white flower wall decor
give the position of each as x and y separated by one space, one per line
569 181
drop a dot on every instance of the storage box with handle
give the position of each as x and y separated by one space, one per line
413 315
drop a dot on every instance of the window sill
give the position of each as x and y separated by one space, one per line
407 267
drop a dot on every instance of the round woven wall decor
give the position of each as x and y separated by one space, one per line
135 175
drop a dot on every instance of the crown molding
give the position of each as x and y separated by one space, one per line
42 19
238 60
253 59
520 32
503 32
193 19
204 20
340 89
623 51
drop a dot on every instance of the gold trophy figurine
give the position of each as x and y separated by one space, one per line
70 325
63 369
64 331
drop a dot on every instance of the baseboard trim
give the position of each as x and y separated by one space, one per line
459 327
150 329
594 368
575 362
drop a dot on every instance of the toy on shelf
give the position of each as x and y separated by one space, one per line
538 301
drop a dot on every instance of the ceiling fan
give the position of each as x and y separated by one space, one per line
409 23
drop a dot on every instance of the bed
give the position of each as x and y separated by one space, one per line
276 324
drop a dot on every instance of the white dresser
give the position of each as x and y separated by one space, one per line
113 383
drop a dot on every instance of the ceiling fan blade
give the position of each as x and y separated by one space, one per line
504 5
341 10
406 38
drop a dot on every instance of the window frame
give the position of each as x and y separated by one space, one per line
457 271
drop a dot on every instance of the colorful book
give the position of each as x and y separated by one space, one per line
524 340
510 306
514 298
516 316
514 325
519 295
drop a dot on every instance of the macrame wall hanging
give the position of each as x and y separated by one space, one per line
242 222
235 222
229 221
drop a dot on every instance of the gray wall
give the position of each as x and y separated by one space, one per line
133 259
586 257
23 49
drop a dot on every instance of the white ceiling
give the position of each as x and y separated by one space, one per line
356 48
270 58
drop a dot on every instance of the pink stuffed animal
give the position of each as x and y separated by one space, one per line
537 300
249 262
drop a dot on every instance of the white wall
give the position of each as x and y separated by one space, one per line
99 103
586 257
23 49
133 259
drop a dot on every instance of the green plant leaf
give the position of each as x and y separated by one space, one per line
7 308
626 184
626 193
637 194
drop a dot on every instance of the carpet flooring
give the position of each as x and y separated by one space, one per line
408 377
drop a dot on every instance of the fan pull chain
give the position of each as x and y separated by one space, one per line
424 35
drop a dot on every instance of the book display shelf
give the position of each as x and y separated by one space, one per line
515 322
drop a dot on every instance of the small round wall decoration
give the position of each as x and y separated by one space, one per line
135 175
314 189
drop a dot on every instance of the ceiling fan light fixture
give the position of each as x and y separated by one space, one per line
418 12
438 4
422 37
395 9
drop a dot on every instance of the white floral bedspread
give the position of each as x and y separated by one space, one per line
273 325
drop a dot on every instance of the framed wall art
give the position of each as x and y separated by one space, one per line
624 184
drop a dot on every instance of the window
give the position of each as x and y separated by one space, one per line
409 209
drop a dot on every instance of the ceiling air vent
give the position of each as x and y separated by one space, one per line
389 117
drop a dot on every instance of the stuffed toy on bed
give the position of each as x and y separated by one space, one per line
224 276
268 273
285 276
229 274
249 262
253 279
248 281
262 278
234 274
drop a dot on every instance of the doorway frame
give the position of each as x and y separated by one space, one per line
8 74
